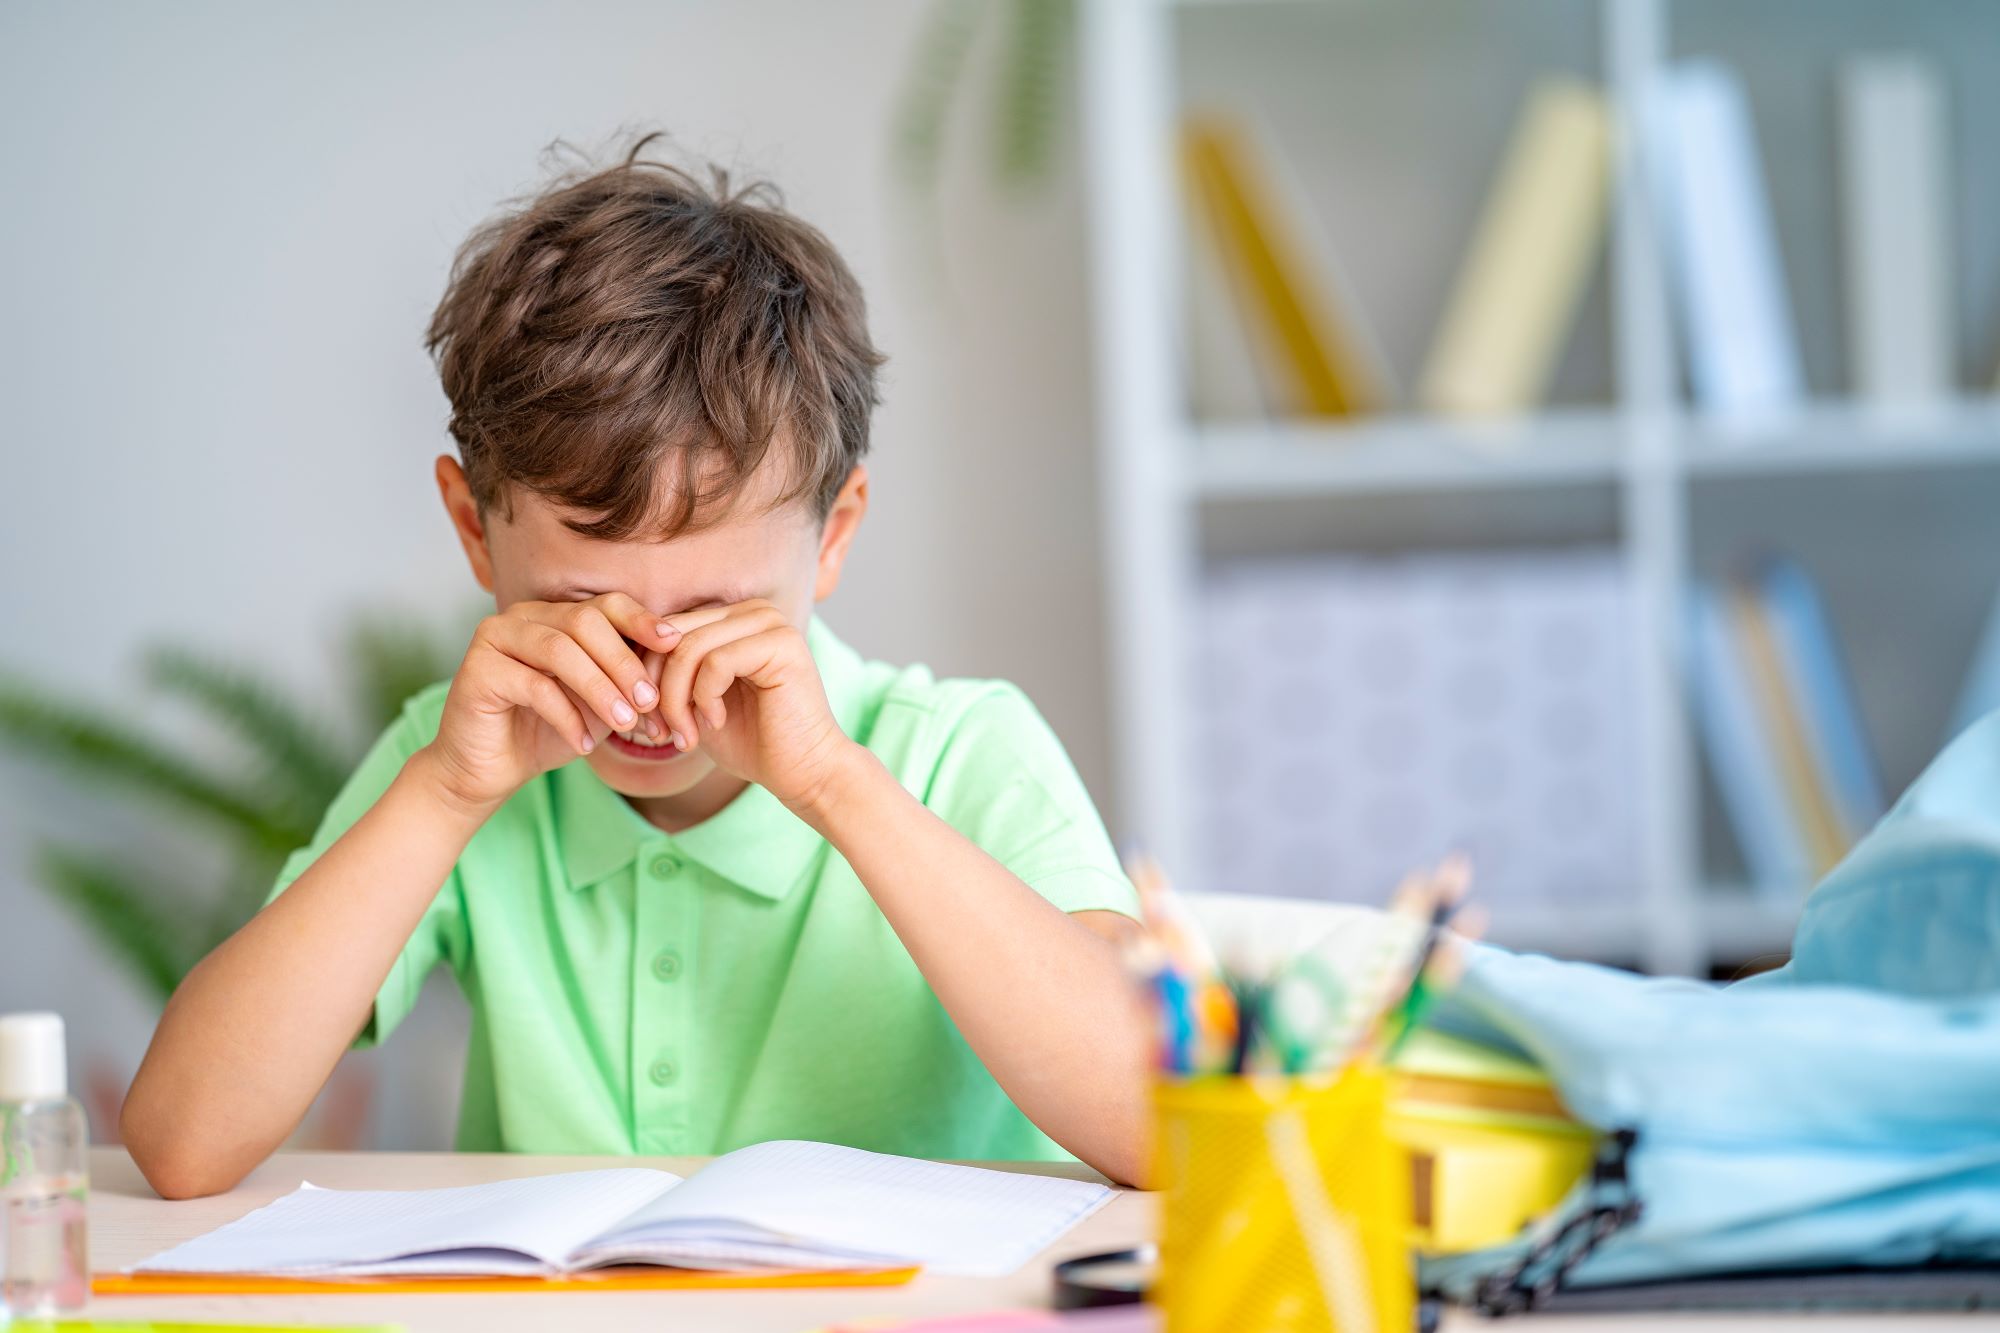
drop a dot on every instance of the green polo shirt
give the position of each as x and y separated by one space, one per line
635 991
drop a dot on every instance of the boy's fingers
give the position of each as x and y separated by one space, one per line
683 623
727 626
739 659
528 688
714 713
655 721
711 681
600 637
635 622
549 650
591 721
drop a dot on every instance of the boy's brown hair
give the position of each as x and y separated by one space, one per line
638 321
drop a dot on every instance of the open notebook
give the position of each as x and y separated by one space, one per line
774 1206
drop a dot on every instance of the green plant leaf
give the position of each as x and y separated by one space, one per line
393 657
130 913
294 752
156 929
936 68
1041 38
71 735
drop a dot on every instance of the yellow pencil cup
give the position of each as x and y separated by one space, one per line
1287 1206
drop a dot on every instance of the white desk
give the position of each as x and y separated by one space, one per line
128 1222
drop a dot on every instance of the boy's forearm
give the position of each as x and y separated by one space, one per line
1042 999
252 1033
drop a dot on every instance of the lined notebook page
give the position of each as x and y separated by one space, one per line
463 1229
849 1204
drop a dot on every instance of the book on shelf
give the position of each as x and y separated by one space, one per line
1735 316
1744 767
1314 352
1784 729
1816 675
1226 379
1780 724
1896 206
1522 282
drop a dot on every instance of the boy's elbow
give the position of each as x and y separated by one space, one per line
1118 1143
1143 1175
183 1175
173 1184
174 1165
1124 1158
1132 1168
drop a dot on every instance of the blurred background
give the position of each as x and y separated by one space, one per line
1559 429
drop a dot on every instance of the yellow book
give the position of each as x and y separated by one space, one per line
1523 279
1226 378
1446 1077
1303 319
1438 1054
1491 1145
1439 1069
1478 1185
1811 804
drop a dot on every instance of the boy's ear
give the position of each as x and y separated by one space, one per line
456 493
837 533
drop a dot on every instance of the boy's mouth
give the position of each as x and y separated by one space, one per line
637 745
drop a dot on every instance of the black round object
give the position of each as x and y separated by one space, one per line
1118 1277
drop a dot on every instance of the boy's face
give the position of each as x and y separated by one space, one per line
782 554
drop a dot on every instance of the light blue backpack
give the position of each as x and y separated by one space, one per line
1842 1111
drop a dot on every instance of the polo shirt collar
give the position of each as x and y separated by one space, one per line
753 842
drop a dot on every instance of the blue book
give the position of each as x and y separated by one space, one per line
1818 683
1736 319
1739 753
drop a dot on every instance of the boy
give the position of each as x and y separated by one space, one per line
706 876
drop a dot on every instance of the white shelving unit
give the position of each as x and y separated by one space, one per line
1643 453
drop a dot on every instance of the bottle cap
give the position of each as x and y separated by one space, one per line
32 1064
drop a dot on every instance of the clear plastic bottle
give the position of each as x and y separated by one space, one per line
44 1173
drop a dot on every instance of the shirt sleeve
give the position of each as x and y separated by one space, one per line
441 933
1004 781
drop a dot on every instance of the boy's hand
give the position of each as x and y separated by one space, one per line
542 683
742 684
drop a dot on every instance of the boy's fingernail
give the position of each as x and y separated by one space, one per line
666 631
588 743
680 741
624 714
644 694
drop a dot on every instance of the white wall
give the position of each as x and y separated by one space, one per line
225 226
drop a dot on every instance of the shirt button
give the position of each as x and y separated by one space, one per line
666 965
664 865
663 1072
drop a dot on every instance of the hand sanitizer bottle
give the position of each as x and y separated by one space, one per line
44 1263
